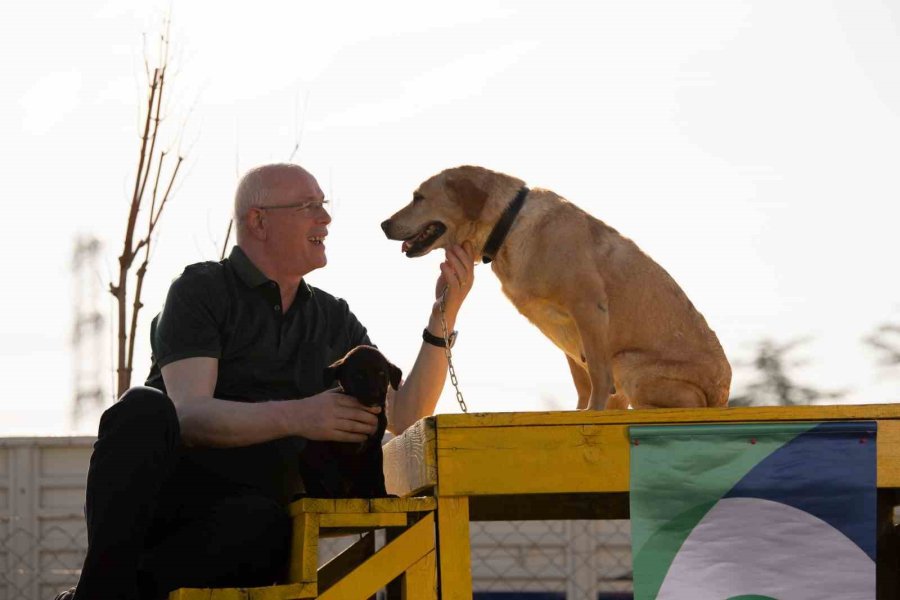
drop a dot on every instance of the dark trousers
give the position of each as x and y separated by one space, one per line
154 525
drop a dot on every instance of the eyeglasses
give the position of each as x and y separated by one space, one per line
311 207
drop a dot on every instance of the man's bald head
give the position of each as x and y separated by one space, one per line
267 185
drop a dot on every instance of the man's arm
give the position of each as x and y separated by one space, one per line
208 421
419 394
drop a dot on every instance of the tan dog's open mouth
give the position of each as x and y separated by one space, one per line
421 243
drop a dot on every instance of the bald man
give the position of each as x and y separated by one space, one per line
191 474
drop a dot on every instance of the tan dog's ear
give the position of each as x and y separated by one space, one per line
395 374
468 195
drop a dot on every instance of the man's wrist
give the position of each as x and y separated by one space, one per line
439 340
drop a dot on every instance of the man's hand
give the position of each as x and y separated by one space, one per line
457 275
333 416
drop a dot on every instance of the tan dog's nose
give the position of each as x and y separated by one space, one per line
385 225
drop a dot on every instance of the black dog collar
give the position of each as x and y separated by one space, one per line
501 229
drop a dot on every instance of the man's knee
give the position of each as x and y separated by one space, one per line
143 409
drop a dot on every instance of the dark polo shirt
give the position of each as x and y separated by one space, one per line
231 311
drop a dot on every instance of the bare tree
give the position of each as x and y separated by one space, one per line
886 340
157 164
774 385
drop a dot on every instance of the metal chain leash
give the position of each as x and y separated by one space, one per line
453 380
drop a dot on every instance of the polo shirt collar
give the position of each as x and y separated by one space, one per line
253 277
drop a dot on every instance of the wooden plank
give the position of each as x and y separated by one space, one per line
454 553
362 520
887 450
389 562
415 504
304 548
293 591
311 505
533 460
420 580
538 459
329 505
839 412
409 462
296 591
190 594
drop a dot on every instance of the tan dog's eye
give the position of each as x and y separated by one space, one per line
417 197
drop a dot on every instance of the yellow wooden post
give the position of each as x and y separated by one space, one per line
454 554
420 580
304 548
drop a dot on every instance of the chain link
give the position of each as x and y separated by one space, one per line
453 380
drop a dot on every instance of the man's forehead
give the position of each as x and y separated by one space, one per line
298 184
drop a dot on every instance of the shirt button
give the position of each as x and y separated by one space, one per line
277 307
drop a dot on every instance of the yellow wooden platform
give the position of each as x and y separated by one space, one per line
576 465
359 571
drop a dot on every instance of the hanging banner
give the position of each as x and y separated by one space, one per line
783 511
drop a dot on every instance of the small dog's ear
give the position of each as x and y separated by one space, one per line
395 375
332 372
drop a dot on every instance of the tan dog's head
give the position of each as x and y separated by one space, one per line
455 205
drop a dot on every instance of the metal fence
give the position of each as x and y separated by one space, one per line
575 560
571 560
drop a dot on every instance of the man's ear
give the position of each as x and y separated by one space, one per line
395 375
469 196
255 223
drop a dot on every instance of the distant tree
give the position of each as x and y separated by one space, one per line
886 341
774 384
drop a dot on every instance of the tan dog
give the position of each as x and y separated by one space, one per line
624 324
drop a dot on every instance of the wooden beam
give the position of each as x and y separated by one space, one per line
304 548
409 467
517 453
533 460
370 520
454 552
294 591
662 416
420 580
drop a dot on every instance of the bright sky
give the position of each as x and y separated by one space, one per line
751 148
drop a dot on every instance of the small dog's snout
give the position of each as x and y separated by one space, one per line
385 225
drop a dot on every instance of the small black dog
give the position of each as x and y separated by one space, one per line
346 469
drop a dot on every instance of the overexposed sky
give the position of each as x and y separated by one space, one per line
751 148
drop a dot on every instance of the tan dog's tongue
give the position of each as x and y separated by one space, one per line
405 246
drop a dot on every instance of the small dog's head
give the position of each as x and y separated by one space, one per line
449 208
364 373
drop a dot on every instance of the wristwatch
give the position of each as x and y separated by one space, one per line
438 341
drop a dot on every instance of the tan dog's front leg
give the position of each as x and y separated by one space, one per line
582 383
592 321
